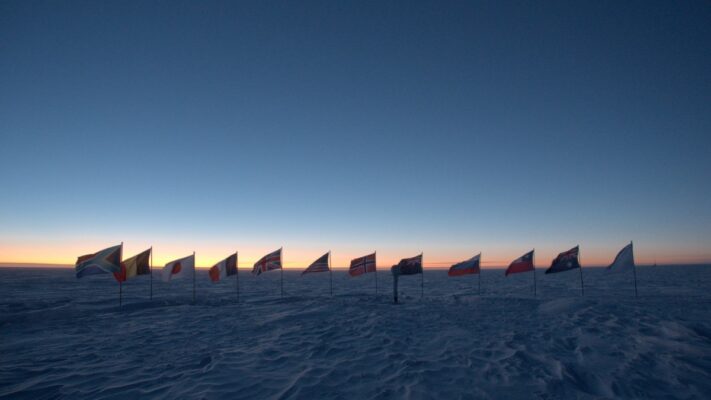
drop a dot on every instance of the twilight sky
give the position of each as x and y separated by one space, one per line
443 127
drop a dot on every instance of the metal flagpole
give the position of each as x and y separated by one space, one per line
534 271
237 273
282 272
422 283
375 266
330 271
634 270
120 269
150 269
194 267
479 279
582 288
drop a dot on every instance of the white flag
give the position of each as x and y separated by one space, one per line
624 260
178 269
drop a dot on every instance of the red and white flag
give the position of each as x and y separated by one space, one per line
521 264
224 268
362 265
320 265
471 266
179 269
269 262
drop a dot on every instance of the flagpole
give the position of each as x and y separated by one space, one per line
237 273
150 269
479 279
422 283
534 272
634 270
194 268
375 266
330 271
582 288
281 254
120 285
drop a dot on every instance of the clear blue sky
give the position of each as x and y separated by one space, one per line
444 127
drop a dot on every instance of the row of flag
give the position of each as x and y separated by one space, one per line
109 261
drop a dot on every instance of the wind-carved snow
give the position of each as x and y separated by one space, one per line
62 337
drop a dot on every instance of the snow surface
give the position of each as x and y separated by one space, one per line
67 338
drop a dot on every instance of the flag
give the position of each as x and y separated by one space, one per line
179 268
267 263
565 261
471 266
408 266
624 260
320 265
102 262
136 265
362 265
224 268
521 264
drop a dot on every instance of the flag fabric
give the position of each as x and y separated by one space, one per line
105 261
521 264
224 268
140 264
471 266
269 262
179 269
408 266
565 261
624 260
320 265
362 265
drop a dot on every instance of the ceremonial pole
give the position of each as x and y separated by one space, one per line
634 270
237 273
150 270
194 268
534 272
582 288
330 271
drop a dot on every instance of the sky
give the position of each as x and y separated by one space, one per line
447 128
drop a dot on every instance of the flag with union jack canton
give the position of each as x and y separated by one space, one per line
269 262
362 265
565 261
408 266
320 265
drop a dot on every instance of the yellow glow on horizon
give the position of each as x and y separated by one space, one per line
65 254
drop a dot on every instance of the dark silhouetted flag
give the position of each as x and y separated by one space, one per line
362 265
140 264
269 262
521 264
565 261
105 261
471 266
624 260
320 265
224 268
408 266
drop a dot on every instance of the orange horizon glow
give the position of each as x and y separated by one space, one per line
64 256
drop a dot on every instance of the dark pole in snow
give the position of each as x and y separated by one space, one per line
582 287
